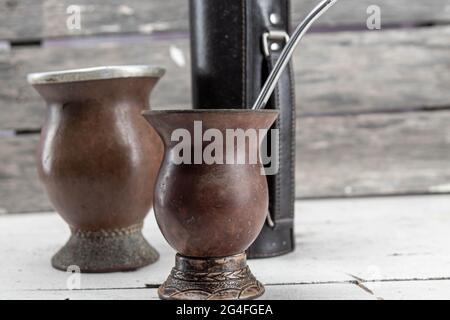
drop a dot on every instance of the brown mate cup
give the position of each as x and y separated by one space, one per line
210 213
98 160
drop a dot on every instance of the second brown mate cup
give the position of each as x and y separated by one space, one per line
210 210
97 159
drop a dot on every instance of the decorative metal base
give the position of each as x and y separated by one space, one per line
227 278
106 251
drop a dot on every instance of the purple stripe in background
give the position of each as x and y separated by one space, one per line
125 38
4 45
384 26
7 133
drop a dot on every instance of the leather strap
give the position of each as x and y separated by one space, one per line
278 233
283 97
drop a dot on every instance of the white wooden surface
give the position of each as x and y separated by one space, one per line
377 248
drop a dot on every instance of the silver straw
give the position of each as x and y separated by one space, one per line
287 52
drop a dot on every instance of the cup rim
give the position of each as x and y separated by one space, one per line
95 73
191 111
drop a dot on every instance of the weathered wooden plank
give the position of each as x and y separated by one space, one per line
21 19
354 12
411 290
22 107
328 291
367 71
390 238
335 73
34 238
20 189
378 243
109 294
35 19
374 154
117 16
338 291
39 236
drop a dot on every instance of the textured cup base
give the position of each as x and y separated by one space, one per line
227 278
106 251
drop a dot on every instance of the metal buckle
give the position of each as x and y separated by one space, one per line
273 35
269 220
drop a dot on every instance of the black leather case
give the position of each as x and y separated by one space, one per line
234 44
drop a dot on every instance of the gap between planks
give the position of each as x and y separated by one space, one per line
362 289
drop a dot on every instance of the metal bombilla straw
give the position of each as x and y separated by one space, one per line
287 52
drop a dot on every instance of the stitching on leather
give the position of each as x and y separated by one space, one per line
281 149
244 53
293 137
280 153
293 121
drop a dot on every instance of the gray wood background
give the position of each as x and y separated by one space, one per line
373 106
37 19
